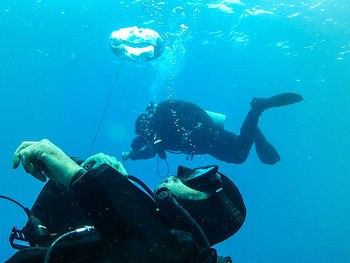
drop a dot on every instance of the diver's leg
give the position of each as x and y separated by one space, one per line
227 146
250 129
231 148
223 146
247 134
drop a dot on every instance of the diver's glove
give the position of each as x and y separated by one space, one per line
100 158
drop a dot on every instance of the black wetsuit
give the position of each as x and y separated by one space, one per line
129 226
183 126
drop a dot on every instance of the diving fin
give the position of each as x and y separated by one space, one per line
265 151
279 100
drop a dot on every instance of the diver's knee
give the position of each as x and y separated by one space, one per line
235 159
240 160
241 157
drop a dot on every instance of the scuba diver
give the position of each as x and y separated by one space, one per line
183 127
94 212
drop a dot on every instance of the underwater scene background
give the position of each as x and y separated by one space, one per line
57 69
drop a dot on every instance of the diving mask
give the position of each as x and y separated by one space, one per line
204 179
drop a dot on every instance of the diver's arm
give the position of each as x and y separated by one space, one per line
145 153
44 160
138 143
95 189
148 150
139 150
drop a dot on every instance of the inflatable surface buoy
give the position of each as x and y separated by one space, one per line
136 44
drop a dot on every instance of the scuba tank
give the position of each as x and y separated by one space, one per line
218 118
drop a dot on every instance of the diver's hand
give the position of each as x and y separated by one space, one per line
126 156
44 159
100 158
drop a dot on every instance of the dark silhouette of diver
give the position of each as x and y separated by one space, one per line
181 126
92 211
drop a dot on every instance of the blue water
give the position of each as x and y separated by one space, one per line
56 70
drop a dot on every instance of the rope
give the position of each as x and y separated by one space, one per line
106 106
112 88
143 9
167 165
